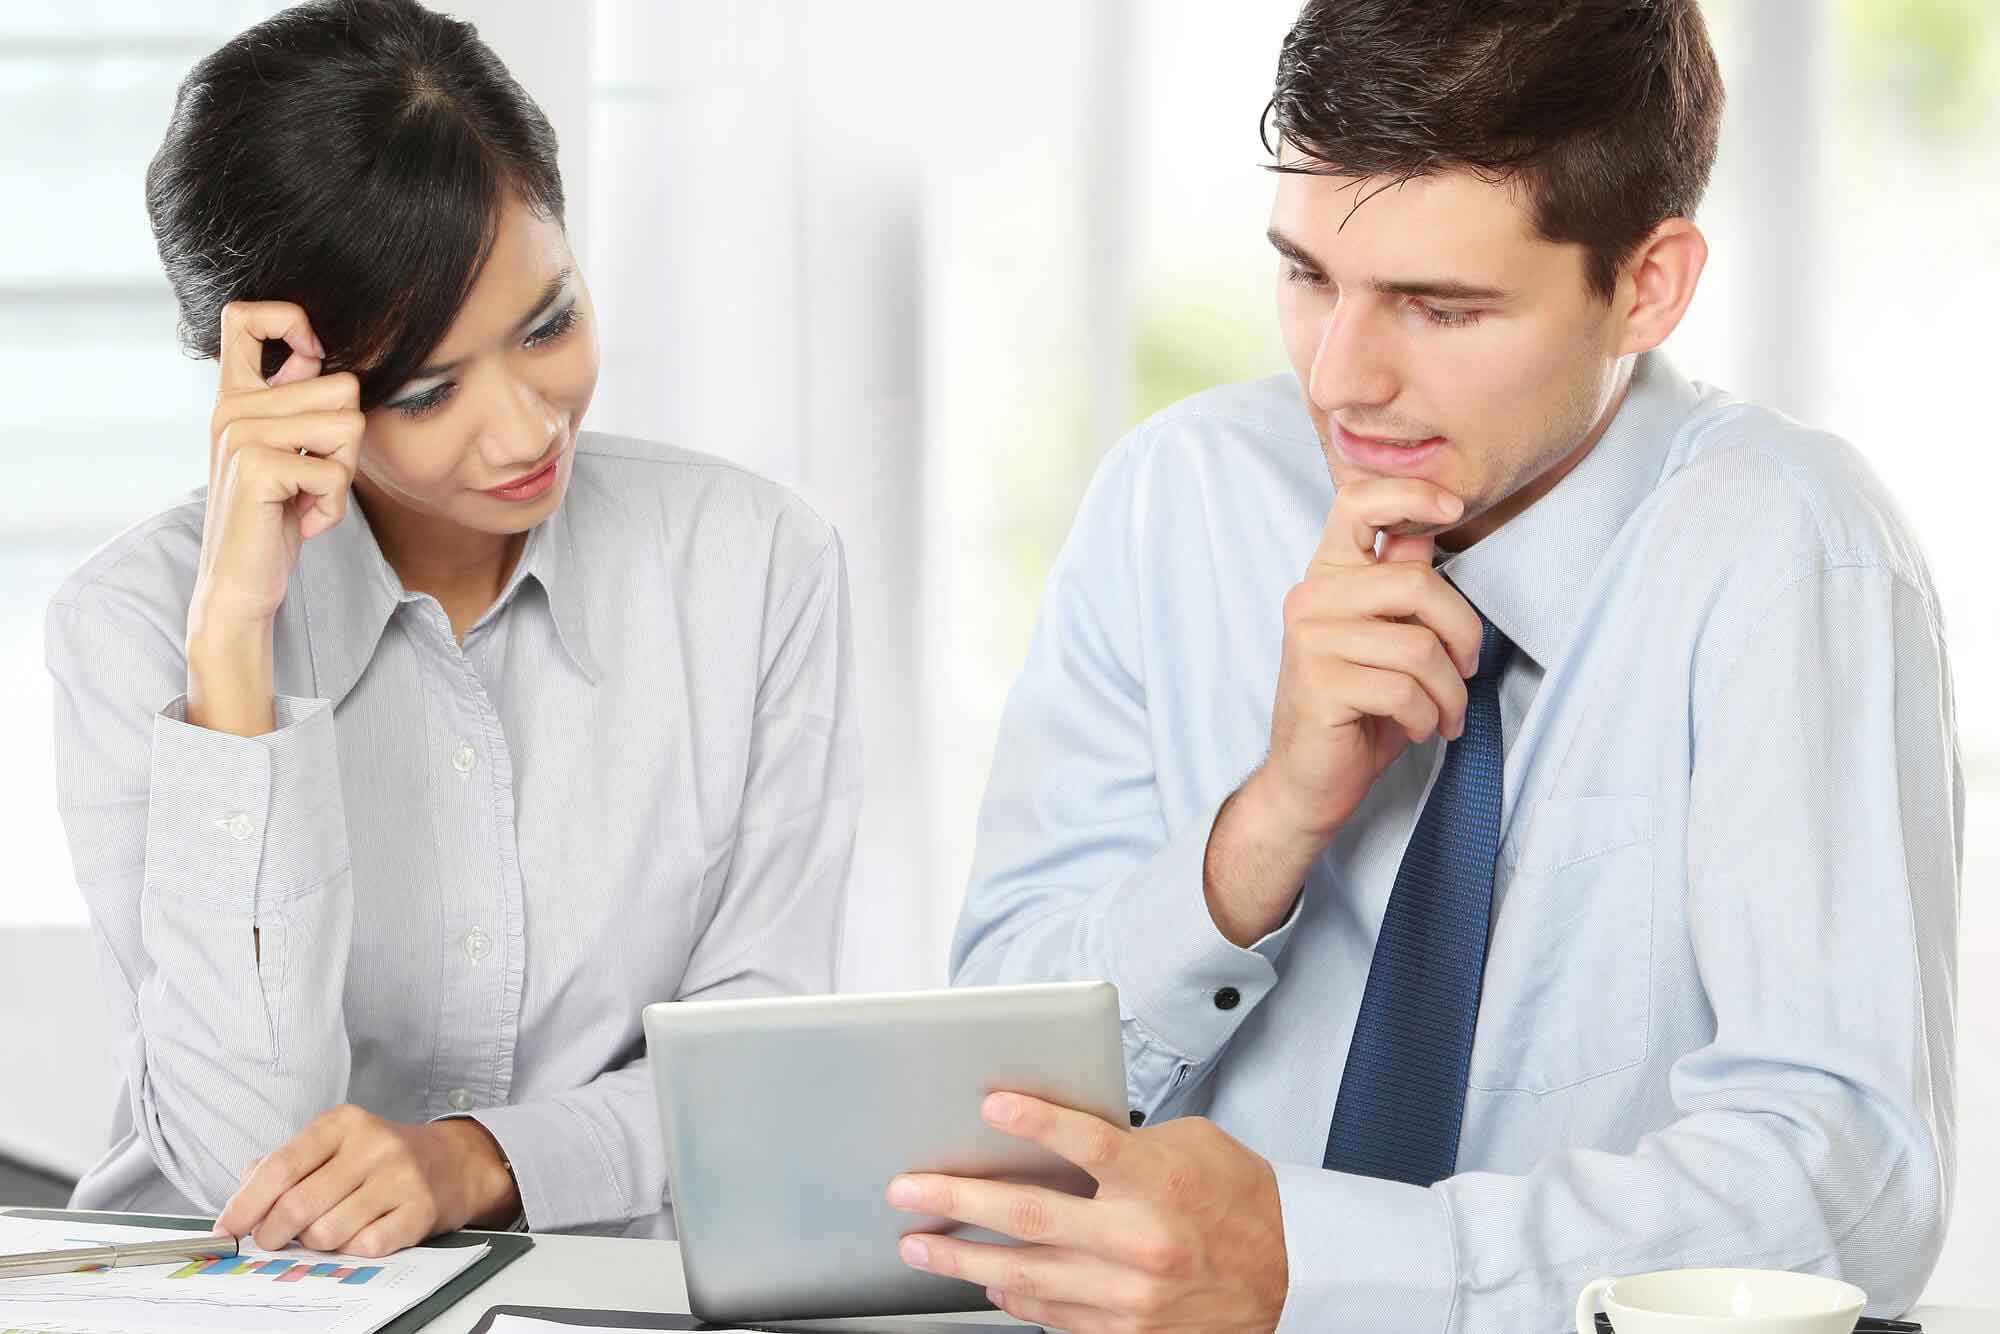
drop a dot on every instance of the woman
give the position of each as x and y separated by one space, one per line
404 765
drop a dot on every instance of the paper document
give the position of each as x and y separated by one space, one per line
521 1324
259 1292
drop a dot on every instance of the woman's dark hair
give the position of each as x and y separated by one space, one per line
1606 111
350 156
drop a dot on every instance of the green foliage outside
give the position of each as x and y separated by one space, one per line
1933 65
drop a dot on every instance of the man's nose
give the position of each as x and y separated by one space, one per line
1350 366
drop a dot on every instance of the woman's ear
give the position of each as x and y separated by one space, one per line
1657 283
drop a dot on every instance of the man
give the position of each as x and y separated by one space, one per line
1560 878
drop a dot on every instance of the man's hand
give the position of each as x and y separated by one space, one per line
1185 1232
1376 652
354 1182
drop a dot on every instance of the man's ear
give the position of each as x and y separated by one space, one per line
1657 282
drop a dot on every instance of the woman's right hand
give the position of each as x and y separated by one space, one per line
265 499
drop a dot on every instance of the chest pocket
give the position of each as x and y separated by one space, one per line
1568 985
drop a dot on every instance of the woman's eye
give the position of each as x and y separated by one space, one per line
429 401
421 405
553 330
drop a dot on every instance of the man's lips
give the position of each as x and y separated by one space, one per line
1384 453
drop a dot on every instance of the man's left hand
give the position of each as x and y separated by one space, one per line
1185 1232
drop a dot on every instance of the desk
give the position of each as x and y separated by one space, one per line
628 1274
619 1273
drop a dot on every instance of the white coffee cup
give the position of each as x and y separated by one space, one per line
1726 1301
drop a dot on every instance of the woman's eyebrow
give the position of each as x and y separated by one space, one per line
549 293
548 296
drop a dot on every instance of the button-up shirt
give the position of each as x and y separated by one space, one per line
1717 1013
466 866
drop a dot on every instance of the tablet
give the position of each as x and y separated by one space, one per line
563 1319
784 1119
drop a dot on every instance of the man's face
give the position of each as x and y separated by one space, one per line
1436 336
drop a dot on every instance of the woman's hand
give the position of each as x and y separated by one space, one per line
353 1182
281 458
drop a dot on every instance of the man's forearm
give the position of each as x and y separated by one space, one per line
1255 864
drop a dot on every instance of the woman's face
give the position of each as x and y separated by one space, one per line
484 435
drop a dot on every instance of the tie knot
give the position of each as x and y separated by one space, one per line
1494 650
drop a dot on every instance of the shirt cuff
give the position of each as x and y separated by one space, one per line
1363 1253
247 819
1177 974
563 1174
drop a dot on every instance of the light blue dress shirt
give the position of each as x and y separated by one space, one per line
468 866
1717 1016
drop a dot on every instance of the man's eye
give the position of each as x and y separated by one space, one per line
1298 275
1448 319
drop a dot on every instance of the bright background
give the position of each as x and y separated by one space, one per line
925 263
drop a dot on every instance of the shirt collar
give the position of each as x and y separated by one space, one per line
345 592
1529 576
550 559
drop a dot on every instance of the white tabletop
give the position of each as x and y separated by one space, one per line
611 1274
628 1274
622 1274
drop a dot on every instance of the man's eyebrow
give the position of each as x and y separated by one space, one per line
549 293
1291 250
1436 289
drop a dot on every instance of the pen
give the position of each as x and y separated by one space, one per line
116 1257
1869 1325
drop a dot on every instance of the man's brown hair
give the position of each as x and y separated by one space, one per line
1604 112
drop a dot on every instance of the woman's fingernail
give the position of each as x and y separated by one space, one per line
903 1193
1450 506
995 1296
915 1252
1002 1108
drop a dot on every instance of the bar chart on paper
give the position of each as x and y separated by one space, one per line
297 1292
279 1270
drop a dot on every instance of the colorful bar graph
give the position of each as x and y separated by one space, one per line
281 1271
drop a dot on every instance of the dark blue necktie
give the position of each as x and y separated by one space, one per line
1402 1095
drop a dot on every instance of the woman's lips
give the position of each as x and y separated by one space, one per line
1377 454
531 486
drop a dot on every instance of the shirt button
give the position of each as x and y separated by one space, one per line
1228 998
238 826
462 758
460 1100
477 944
1138 1117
